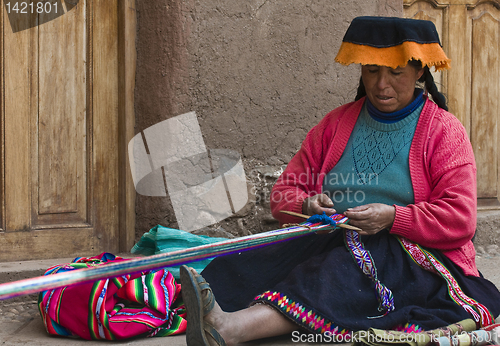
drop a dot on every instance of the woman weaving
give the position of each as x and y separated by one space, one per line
401 168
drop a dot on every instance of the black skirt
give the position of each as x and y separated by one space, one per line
315 282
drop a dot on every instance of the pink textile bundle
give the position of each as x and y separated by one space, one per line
143 304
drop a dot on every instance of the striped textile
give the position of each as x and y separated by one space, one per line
365 262
303 315
426 260
146 304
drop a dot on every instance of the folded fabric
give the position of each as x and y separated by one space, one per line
161 239
143 304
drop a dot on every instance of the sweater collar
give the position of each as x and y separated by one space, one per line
393 117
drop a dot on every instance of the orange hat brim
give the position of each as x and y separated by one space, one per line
429 54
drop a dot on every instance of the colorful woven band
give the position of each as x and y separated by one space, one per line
364 260
142 264
426 260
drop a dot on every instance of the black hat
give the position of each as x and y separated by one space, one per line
392 42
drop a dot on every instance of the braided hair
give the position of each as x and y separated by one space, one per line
430 86
426 78
361 90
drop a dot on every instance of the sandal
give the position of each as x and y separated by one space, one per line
197 306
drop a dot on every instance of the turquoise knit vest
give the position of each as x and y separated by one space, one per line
374 167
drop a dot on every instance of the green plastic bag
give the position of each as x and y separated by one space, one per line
161 239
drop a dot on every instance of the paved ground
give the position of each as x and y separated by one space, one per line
20 323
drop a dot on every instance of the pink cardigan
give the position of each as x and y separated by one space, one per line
442 169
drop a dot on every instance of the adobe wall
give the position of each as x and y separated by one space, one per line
258 73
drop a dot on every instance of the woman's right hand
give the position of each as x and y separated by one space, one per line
318 204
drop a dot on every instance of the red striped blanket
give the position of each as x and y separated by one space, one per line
144 304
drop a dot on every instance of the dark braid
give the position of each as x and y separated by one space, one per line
437 97
361 90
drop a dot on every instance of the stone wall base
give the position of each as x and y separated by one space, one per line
487 232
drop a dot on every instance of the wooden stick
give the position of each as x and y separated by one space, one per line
343 225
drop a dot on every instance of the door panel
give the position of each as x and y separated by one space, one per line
61 168
470 33
484 33
15 119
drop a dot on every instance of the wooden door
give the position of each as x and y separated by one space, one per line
470 34
62 134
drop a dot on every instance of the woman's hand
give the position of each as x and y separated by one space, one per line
318 204
371 218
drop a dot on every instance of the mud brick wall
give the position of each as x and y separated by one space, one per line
258 73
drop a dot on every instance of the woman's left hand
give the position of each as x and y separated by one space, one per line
371 218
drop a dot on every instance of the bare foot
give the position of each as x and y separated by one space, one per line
255 322
221 321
